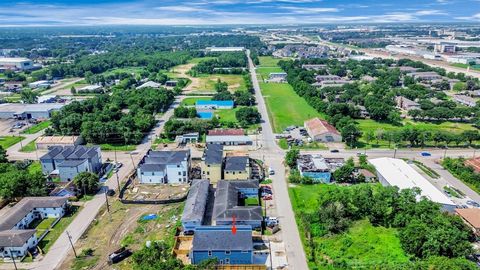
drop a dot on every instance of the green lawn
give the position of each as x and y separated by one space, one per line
268 61
264 72
44 225
7 141
197 60
208 81
190 101
361 245
309 146
285 107
37 128
118 147
58 229
35 167
475 67
227 115
29 147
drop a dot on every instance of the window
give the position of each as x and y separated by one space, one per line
184 173
178 166
227 261
209 253
227 252
233 173
179 173
208 173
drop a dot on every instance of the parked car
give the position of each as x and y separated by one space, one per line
110 192
271 171
119 255
425 154
334 151
267 197
271 221
473 203
118 165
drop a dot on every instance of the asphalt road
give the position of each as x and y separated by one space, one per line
273 156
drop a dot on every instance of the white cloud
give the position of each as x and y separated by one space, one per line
309 10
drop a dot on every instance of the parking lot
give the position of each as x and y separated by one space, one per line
6 125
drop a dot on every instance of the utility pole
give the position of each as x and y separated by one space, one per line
106 200
70 240
13 259
116 172
394 152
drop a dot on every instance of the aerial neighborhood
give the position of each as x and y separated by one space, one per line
240 146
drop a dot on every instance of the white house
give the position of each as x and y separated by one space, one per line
164 167
16 238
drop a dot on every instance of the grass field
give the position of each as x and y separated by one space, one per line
361 245
264 72
118 147
285 107
35 167
36 128
208 81
29 147
268 61
309 146
475 67
7 141
190 101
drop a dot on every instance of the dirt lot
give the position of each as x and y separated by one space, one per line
123 227
155 192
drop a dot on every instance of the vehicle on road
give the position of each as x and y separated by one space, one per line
271 221
271 171
473 203
118 165
425 154
334 151
110 192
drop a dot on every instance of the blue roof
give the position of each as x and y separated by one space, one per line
215 102
205 115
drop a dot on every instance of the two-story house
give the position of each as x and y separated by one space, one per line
164 167
212 162
237 168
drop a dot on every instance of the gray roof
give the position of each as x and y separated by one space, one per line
213 154
72 163
236 163
168 157
226 201
71 152
15 238
196 201
22 208
148 167
219 238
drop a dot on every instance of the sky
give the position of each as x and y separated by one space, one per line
214 12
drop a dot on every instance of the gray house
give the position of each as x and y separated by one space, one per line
228 204
164 167
195 205
68 161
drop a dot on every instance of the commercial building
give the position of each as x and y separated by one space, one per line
219 242
195 205
16 63
212 162
318 168
149 84
237 168
465 100
214 104
164 167
445 47
16 239
406 104
40 84
405 69
396 172
229 206
471 216
228 137
425 76
91 88
28 111
66 162
45 142
324 78
322 131
171 83
188 138
225 49
277 77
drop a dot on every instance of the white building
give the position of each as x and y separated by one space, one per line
16 63
15 236
322 131
164 167
224 49
396 172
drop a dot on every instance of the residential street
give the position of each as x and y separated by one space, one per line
273 157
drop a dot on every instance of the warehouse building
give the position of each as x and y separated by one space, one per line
16 63
45 142
396 172
321 131
28 111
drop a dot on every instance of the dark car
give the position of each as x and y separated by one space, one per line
110 192
334 151
119 255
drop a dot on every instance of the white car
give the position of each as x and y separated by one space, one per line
271 171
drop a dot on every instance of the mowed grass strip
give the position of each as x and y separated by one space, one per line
285 107
7 141
36 128
268 61
190 101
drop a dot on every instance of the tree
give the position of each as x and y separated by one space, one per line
73 90
221 86
470 136
86 183
344 173
369 136
248 116
3 155
291 158
351 133
28 96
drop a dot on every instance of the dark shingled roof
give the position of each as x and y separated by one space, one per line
15 238
214 154
219 238
196 201
22 208
236 163
157 160
147 167
71 152
226 202
72 163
